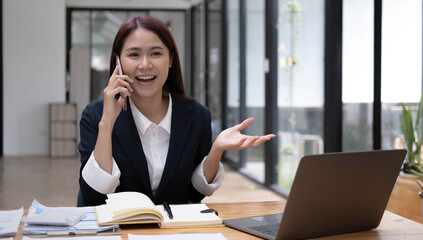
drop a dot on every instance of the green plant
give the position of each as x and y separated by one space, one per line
413 138
418 172
413 133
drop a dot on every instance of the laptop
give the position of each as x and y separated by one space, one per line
332 194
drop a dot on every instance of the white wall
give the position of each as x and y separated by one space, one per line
34 56
34 72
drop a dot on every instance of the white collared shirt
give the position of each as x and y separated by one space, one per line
155 142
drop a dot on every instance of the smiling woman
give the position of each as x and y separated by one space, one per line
147 60
161 146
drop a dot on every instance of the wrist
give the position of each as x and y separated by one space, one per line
105 125
216 149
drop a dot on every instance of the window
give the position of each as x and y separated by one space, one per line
401 80
233 73
214 65
357 75
401 64
254 84
300 84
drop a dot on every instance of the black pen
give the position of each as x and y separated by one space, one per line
168 210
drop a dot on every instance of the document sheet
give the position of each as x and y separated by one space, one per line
79 238
9 222
87 224
182 236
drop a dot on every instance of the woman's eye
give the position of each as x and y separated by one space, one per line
133 55
156 54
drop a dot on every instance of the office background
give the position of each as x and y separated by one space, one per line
324 75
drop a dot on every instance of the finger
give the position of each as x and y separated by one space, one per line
124 78
121 101
124 82
260 140
247 122
250 141
112 93
114 73
269 136
121 81
265 138
123 90
241 143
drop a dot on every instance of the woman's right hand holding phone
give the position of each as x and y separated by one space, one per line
118 84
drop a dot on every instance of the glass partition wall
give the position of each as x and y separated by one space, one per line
223 46
233 71
401 70
304 79
92 34
401 65
254 84
207 55
357 74
300 84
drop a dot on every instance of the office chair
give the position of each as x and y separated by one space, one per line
80 201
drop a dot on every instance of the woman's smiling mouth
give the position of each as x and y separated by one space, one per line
145 78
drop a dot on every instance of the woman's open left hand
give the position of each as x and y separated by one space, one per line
232 138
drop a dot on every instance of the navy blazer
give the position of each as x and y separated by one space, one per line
190 142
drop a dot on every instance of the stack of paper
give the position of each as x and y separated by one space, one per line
64 217
87 225
9 222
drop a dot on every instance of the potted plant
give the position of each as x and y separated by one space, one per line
418 172
413 138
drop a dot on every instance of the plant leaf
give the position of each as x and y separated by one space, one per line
406 124
419 113
418 183
419 175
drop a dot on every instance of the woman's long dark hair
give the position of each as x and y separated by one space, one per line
174 83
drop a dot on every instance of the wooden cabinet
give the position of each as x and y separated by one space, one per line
62 130
405 200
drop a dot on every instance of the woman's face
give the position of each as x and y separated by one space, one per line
146 60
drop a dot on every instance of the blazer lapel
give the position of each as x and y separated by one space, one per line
180 130
127 134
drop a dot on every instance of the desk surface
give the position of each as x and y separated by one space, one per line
392 226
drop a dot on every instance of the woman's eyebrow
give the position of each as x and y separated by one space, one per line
156 47
138 49
132 49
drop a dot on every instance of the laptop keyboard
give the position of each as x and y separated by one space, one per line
271 229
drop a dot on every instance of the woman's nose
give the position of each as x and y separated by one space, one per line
144 63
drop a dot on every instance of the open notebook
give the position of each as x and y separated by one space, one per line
137 208
331 194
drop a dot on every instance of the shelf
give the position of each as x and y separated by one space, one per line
62 130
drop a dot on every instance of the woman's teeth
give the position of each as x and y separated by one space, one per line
146 78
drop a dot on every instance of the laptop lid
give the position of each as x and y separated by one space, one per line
338 193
